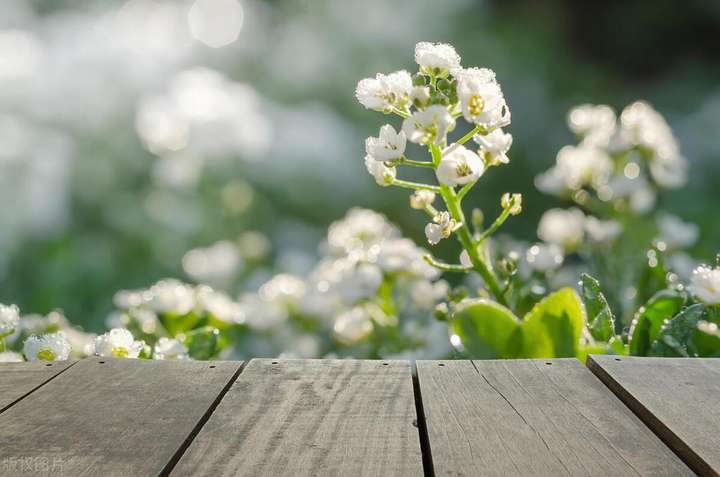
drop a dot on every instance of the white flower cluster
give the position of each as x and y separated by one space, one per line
362 253
624 162
705 285
9 319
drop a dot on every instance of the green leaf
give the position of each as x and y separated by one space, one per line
650 318
487 329
676 336
552 329
203 343
601 321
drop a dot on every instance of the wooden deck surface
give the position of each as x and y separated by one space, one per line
106 417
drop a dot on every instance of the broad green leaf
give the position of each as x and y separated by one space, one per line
202 343
487 329
601 321
650 318
676 336
708 346
175 323
552 329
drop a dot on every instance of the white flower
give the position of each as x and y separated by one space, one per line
217 264
384 175
643 199
9 319
544 257
594 123
10 357
360 231
459 166
118 343
442 227
430 125
436 58
262 315
49 347
481 98
562 227
384 92
425 294
676 233
402 255
357 282
602 231
218 304
420 199
420 95
494 146
388 146
172 296
353 325
582 165
170 348
705 284
284 288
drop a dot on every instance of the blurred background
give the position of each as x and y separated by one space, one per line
214 140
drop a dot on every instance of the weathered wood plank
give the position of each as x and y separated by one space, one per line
111 417
534 418
17 380
311 417
676 397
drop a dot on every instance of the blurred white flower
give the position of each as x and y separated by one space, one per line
675 233
360 231
49 347
459 166
262 315
481 99
118 343
442 226
82 344
9 319
215 22
562 227
421 199
420 95
357 282
437 59
171 296
602 231
384 175
429 125
576 167
21 53
544 257
353 325
388 146
10 357
284 288
705 284
426 294
402 255
217 264
170 348
494 146
385 92
218 304
595 124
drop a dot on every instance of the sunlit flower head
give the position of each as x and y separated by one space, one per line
361 230
602 231
544 257
562 227
49 347
421 199
383 173
494 146
118 343
9 319
429 126
171 296
437 59
675 233
441 227
10 357
705 284
481 99
385 92
170 348
459 166
353 325
388 146
595 124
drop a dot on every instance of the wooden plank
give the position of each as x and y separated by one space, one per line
534 418
676 397
311 417
111 417
17 380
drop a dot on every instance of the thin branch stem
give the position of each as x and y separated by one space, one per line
410 162
468 136
446 267
400 112
415 185
465 189
495 225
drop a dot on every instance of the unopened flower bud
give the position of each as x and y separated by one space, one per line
512 202
421 199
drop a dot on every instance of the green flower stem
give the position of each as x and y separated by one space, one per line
446 267
410 162
415 185
3 347
400 112
495 226
468 136
484 268
431 211
465 189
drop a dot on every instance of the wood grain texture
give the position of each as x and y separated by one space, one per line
534 418
111 417
676 397
311 417
17 380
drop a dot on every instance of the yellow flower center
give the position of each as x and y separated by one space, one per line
46 355
120 352
463 169
476 105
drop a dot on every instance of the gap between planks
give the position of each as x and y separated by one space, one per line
11 404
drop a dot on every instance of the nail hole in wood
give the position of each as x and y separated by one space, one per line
618 359
385 364
48 364
548 363
212 366
274 362
441 364
101 362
